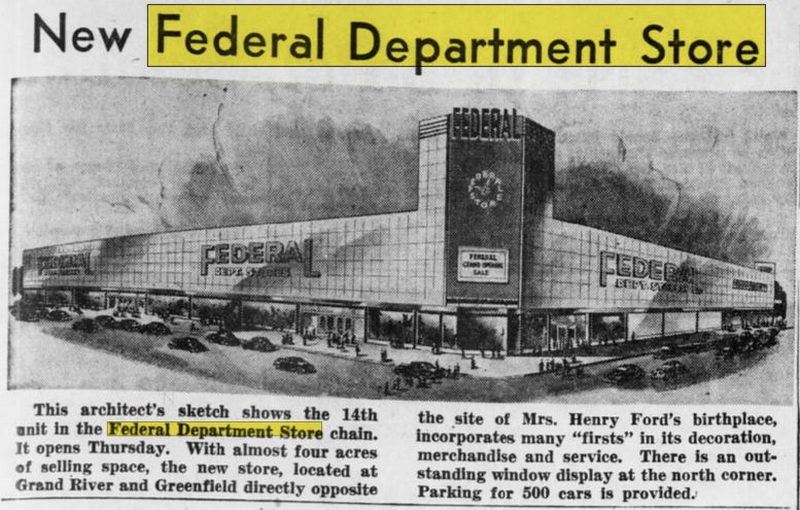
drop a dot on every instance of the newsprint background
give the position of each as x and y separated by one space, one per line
104 146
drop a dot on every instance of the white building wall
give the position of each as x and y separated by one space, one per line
384 258
563 270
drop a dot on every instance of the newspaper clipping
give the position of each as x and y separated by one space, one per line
399 255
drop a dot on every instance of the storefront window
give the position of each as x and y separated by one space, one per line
90 300
428 329
56 297
730 321
534 334
215 311
607 328
165 306
271 315
450 331
482 332
567 332
126 302
393 327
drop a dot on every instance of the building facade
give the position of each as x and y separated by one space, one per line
480 262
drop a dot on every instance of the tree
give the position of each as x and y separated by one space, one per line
780 301
600 195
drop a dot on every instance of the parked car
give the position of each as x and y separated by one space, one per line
59 315
747 342
223 337
294 364
695 347
259 343
187 343
156 328
107 321
670 370
86 325
726 351
625 374
668 351
130 325
419 369
29 314
772 338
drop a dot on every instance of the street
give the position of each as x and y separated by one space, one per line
52 355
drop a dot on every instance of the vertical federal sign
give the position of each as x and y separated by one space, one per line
484 196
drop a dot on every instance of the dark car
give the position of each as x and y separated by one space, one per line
106 321
727 351
156 328
624 374
187 343
29 314
223 337
694 348
294 364
26 316
667 351
418 369
747 342
130 325
59 315
772 337
259 343
85 325
669 370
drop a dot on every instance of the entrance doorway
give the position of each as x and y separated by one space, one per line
565 337
567 331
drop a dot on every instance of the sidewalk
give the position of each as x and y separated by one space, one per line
509 366
371 353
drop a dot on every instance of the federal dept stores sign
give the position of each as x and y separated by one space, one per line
482 265
274 257
64 265
638 273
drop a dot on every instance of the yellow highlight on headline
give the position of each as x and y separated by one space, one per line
456 35
204 429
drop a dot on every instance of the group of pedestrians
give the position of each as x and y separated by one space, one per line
551 365
341 340
406 382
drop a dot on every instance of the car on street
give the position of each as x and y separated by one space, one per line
726 351
625 374
130 325
670 370
294 364
667 352
259 343
156 328
59 315
223 337
187 343
30 314
86 325
419 369
107 321
771 340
